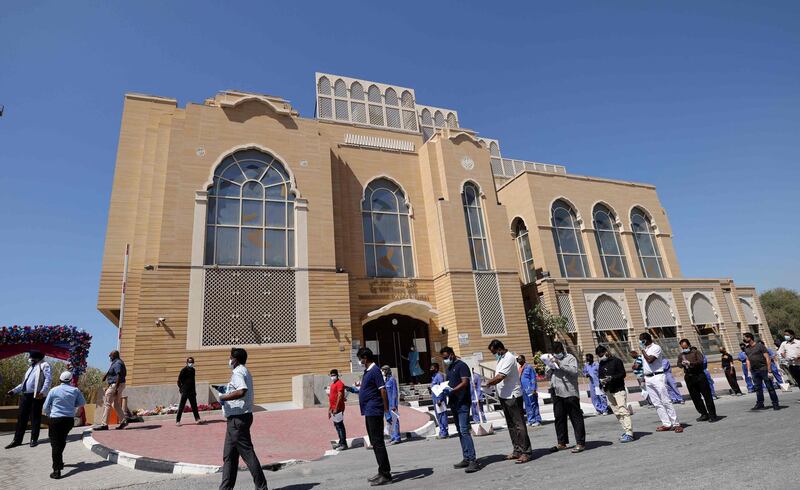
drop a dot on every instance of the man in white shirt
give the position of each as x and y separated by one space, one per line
237 407
656 384
789 351
33 388
508 391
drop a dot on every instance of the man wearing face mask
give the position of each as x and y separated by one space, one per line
759 364
563 376
508 391
336 408
789 351
439 403
237 407
691 360
186 386
393 394
374 404
656 384
611 372
730 371
33 389
745 372
112 398
457 391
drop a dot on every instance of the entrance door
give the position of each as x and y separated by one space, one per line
394 335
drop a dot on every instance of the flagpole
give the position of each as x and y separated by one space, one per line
122 297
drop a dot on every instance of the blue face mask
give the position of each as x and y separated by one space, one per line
686 351
560 355
498 356
448 361
787 338
641 342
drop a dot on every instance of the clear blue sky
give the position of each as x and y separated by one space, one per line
701 99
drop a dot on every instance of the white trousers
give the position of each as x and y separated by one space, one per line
659 397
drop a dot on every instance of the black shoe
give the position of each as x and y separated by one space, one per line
463 464
55 475
13 444
34 443
122 425
714 418
702 418
100 427
473 467
374 478
382 480
776 407
758 407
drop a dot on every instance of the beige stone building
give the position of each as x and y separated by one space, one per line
381 223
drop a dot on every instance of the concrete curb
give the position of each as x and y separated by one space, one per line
143 463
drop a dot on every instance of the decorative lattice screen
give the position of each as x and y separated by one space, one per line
658 313
608 315
565 308
747 309
490 306
249 306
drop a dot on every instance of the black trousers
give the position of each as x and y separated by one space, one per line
30 408
795 372
375 433
238 443
700 390
58 430
514 412
731 375
569 407
192 397
340 430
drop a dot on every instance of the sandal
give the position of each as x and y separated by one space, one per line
512 456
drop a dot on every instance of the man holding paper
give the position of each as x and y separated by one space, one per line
439 402
457 391
508 391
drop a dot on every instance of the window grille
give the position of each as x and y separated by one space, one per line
565 308
748 311
702 310
658 313
608 315
490 306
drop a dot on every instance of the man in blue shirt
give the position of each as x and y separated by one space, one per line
459 401
60 406
112 398
527 380
745 372
439 403
393 394
374 405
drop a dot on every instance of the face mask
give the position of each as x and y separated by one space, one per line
334 378
685 351
190 364
641 342
230 363
560 355
787 338
30 362
498 356
604 358
448 361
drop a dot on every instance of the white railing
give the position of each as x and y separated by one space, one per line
509 167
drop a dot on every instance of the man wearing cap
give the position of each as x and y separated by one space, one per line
33 389
60 406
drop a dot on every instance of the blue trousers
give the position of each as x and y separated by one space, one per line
672 388
747 379
441 419
760 380
395 428
711 384
461 414
532 407
776 372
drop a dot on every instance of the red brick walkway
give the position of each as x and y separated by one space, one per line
277 436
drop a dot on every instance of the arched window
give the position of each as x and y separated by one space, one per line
392 112
476 232
340 100
609 321
567 238
358 110
646 246
608 242
387 230
438 119
375 106
451 120
658 318
250 218
528 271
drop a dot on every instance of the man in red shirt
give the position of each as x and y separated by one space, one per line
336 408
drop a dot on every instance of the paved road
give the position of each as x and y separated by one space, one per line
704 455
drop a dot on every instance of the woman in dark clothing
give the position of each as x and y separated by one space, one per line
188 391
730 371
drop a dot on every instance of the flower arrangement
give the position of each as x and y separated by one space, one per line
172 409
64 337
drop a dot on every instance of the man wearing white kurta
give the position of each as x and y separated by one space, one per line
656 384
33 389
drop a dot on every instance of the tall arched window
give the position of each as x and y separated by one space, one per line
476 231
646 246
567 238
608 242
387 230
250 218
528 271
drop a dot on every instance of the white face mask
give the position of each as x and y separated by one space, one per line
230 363
30 362
190 364
334 378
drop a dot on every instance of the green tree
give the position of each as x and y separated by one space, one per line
541 320
782 309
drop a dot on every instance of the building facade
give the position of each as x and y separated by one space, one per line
381 223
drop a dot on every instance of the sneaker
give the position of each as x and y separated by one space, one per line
341 447
177 424
393 442
626 438
536 424
383 480
462 464
472 468
200 422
